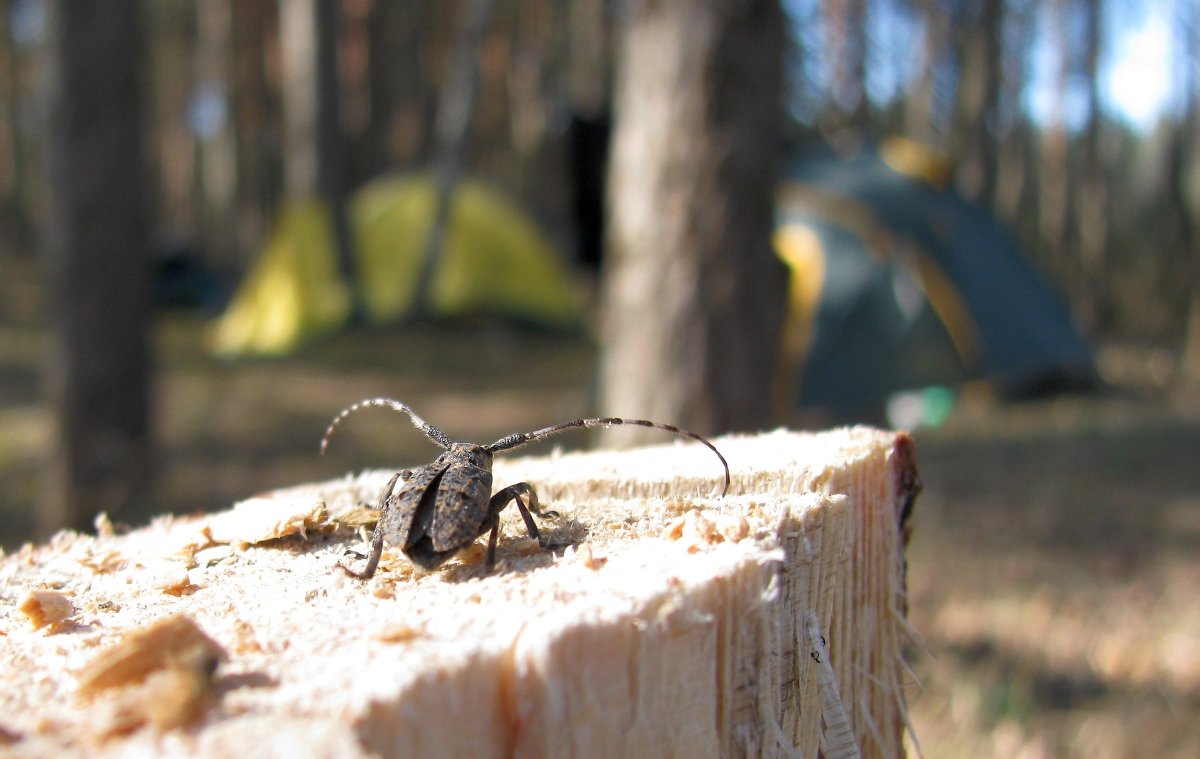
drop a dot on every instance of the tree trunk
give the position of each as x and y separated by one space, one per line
1183 187
1055 178
217 156
847 117
770 623
15 184
1091 201
256 114
977 103
315 148
402 104
98 263
693 292
920 105
1015 145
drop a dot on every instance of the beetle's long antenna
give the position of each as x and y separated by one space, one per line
521 438
431 432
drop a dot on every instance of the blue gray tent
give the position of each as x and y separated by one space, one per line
899 283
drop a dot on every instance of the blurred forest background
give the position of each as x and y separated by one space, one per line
1054 563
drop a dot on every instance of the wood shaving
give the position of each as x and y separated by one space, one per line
673 530
158 646
383 588
213 555
583 554
678 506
173 579
732 527
247 639
398 632
8 737
258 520
357 517
697 529
104 525
168 698
46 608
102 562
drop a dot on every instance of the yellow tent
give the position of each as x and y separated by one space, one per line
494 261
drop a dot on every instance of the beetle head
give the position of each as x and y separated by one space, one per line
470 454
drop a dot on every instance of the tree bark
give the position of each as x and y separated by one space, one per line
217 157
1055 177
1091 199
977 103
402 104
315 158
847 116
693 292
98 263
920 104
1183 186
256 114
15 178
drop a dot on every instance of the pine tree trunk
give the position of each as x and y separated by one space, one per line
1091 202
693 292
919 105
977 104
217 155
98 263
315 148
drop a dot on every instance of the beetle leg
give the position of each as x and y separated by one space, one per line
490 560
514 493
376 536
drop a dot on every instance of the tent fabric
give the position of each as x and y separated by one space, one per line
292 293
919 287
495 261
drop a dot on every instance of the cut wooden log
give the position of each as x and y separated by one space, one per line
769 622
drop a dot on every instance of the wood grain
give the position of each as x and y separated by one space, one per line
769 622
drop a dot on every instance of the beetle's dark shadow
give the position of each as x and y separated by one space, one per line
559 535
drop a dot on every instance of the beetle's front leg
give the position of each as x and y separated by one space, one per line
377 535
500 500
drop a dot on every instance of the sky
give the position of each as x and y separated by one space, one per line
1137 81
1135 76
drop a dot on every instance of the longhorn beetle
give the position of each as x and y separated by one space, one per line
445 506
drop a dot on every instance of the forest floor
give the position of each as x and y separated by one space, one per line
1054 567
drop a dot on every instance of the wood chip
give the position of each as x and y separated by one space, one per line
732 527
398 632
357 517
258 520
46 608
166 699
102 562
8 737
104 525
583 554
161 645
173 579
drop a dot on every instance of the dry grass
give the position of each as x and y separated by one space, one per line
1053 570
1054 574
